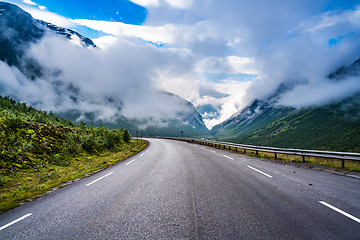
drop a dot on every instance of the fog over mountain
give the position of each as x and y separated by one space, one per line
59 70
219 55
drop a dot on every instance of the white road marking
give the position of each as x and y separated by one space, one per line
130 162
147 150
98 179
15 221
260 171
228 157
213 151
142 155
341 211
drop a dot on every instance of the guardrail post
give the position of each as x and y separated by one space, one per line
236 149
342 163
244 151
275 155
257 152
303 158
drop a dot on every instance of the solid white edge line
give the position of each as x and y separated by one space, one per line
15 221
142 155
98 179
340 211
213 151
130 162
228 157
260 171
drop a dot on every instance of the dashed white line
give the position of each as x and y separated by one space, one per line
147 150
142 155
213 151
259 171
340 211
98 179
15 221
130 162
228 157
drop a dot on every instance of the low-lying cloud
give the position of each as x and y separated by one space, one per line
108 82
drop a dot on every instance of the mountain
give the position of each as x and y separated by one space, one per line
18 31
334 126
188 121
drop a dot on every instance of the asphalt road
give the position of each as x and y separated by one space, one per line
177 190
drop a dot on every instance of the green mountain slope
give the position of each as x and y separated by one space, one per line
334 126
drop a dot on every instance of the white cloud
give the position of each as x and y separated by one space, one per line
180 4
47 16
146 3
334 19
160 34
29 2
229 64
42 8
105 41
321 92
123 72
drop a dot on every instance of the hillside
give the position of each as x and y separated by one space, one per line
31 139
334 126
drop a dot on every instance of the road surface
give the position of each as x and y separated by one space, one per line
178 190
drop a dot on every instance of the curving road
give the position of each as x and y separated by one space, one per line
177 190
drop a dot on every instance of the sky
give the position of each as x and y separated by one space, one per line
218 54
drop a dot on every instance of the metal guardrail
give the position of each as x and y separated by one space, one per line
343 156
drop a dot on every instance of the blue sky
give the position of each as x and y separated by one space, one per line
114 10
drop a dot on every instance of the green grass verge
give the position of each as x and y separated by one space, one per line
26 185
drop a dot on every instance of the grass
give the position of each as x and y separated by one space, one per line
27 185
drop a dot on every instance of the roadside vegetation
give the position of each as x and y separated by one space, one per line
40 151
328 162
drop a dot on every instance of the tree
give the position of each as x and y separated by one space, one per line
126 136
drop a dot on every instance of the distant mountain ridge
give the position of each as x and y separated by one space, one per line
334 126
